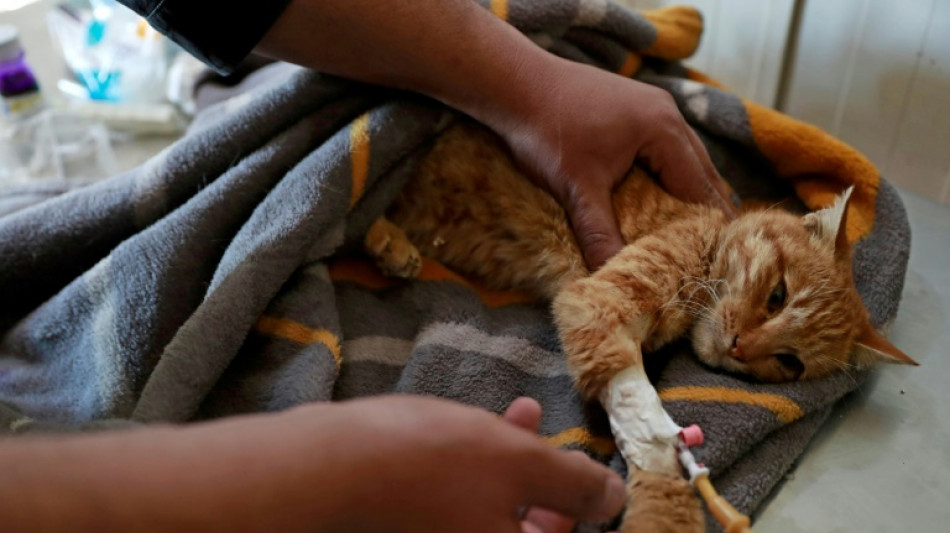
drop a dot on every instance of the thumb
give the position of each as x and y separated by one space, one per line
571 484
595 225
525 413
542 520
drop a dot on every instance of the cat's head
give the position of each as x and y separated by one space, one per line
784 305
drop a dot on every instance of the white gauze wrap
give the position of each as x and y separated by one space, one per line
645 433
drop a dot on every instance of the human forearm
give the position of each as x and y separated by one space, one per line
452 50
203 478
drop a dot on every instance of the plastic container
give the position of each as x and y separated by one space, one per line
18 87
56 144
113 53
41 143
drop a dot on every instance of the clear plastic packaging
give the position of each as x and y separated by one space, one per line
56 144
112 52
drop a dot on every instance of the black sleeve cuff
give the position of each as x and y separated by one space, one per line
220 33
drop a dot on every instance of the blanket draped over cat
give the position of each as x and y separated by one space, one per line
217 277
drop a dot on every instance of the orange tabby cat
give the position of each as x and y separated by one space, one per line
769 295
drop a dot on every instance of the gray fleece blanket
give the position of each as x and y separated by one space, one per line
220 277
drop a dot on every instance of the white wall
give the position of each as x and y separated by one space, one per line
877 75
874 73
743 42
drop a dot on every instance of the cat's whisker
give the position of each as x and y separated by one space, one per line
693 312
701 286
688 305
773 206
697 313
689 297
844 367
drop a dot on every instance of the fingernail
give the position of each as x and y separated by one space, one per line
614 498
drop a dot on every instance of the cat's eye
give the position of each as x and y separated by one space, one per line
792 364
777 297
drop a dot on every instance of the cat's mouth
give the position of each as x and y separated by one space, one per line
723 361
733 364
761 369
716 350
716 354
747 371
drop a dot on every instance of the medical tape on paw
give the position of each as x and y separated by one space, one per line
645 433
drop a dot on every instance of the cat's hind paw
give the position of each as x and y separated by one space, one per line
394 254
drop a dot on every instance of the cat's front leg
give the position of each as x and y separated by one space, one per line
603 321
601 330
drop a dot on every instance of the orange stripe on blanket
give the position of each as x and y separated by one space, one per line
365 273
784 409
818 165
678 29
499 8
581 436
291 330
703 78
359 156
631 64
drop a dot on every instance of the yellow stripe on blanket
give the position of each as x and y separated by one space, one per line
784 409
582 436
702 77
294 331
631 64
359 156
818 165
499 8
678 29
365 273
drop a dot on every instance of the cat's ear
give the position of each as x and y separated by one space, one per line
830 224
871 347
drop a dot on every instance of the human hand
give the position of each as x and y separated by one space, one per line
526 414
461 469
579 135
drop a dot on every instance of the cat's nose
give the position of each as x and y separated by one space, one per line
735 351
750 345
741 349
